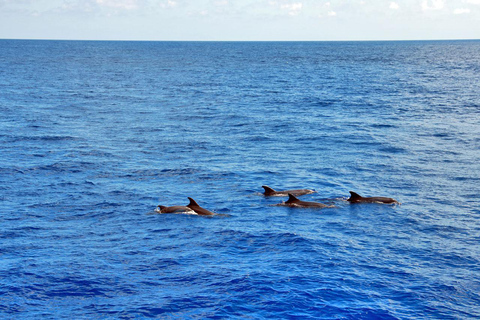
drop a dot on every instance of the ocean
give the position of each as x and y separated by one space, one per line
95 135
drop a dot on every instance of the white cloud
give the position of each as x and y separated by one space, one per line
476 2
119 4
332 13
461 11
433 5
292 8
168 4
394 6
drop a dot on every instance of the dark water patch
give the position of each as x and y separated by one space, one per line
17 138
383 125
61 167
148 174
178 172
214 176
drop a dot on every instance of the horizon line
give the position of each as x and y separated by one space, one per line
147 40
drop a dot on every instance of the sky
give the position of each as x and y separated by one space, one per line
240 20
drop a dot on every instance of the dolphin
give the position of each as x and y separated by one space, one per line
356 198
175 209
269 192
295 202
193 205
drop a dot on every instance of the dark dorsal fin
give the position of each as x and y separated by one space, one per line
292 198
192 202
354 196
268 190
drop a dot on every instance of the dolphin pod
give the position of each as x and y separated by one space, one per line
194 208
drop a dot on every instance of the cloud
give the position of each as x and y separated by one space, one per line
292 8
330 12
97 7
394 6
476 2
428 5
119 4
168 4
461 11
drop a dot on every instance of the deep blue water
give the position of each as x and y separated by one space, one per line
95 135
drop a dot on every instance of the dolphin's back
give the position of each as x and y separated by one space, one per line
199 210
291 199
354 197
268 190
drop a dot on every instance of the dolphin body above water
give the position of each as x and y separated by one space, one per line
175 209
199 210
269 192
356 198
295 202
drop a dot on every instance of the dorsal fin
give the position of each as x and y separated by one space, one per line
192 202
268 190
354 196
291 198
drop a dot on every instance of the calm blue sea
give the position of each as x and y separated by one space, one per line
95 135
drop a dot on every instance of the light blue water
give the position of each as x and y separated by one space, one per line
95 135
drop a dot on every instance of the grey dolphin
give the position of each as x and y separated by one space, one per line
356 198
199 210
175 209
295 202
269 192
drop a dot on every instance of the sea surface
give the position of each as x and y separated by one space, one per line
95 135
